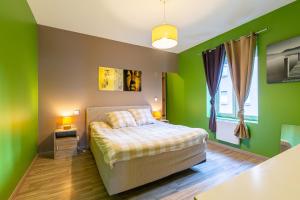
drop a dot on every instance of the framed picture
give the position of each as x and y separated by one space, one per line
114 79
110 79
283 61
132 80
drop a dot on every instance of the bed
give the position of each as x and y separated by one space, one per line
125 165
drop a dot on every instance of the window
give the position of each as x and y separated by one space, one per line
226 103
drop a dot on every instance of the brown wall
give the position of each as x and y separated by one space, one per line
68 76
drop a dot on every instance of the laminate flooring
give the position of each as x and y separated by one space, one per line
78 178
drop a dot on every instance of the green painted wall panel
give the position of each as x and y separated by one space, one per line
278 103
175 84
18 92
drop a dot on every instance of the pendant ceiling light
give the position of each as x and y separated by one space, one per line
164 36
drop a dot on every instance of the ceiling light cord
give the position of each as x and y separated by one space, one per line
164 2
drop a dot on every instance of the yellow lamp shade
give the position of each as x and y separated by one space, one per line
164 36
66 122
156 114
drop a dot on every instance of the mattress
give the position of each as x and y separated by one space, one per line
148 140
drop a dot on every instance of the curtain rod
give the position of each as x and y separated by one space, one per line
256 33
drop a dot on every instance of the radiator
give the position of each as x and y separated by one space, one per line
225 131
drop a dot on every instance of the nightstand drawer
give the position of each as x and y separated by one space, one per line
66 147
66 143
62 134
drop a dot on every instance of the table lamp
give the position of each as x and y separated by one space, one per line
156 115
66 122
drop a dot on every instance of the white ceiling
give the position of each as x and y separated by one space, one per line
131 21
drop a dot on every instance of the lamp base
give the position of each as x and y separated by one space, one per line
67 127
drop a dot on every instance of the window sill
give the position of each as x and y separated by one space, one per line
236 120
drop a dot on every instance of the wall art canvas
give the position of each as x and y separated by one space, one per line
110 79
283 61
132 80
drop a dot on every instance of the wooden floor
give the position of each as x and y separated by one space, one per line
78 178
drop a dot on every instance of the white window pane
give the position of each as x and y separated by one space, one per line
225 95
251 104
208 106
225 70
248 102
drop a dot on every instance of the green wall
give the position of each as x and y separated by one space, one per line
278 103
18 92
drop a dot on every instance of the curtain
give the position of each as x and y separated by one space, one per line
240 56
213 65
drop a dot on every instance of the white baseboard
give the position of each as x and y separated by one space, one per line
238 150
14 193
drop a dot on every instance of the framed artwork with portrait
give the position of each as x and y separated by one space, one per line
132 80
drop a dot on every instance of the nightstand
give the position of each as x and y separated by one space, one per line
65 143
164 120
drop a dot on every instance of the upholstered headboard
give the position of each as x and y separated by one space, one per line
98 113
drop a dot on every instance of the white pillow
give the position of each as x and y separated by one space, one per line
120 119
142 116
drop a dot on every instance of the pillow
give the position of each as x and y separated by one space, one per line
142 116
100 125
120 119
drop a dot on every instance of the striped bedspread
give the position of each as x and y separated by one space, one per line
133 142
